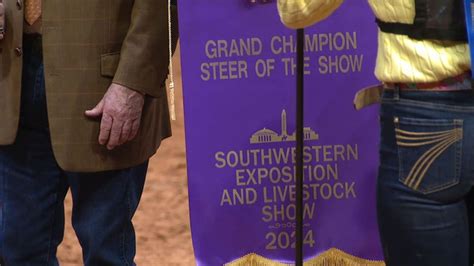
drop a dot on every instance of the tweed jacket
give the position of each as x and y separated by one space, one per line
87 45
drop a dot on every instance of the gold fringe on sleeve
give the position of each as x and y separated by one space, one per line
332 257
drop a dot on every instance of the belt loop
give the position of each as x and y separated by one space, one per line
396 92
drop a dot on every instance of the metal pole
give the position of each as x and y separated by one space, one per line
299 145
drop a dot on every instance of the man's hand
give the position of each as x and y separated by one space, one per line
2 20
121 110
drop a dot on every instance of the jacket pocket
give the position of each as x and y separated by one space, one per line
109 64
429 152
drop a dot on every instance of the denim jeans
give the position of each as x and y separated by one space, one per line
33 188
424 193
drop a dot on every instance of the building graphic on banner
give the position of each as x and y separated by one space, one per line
269 136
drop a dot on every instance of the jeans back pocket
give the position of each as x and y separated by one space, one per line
429 152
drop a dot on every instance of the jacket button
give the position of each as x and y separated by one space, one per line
19 4
19 51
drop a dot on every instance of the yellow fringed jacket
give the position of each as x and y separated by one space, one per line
399 58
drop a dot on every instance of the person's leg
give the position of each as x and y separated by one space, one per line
103 206
470 211
422 214
32 186
32 193
422 233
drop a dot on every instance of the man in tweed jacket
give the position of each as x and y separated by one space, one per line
82 107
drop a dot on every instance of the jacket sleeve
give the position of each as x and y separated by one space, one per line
144 56
302 13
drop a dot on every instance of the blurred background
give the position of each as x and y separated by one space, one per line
162 219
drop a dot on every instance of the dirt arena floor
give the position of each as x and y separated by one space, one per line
162 220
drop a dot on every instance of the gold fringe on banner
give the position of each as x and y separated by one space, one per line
332 257
254 260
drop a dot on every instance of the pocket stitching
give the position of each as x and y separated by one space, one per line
457 138
427 162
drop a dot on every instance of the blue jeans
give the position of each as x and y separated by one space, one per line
33 187
425 199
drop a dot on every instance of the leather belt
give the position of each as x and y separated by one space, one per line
437 85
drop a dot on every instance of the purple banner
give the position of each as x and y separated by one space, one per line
238 66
